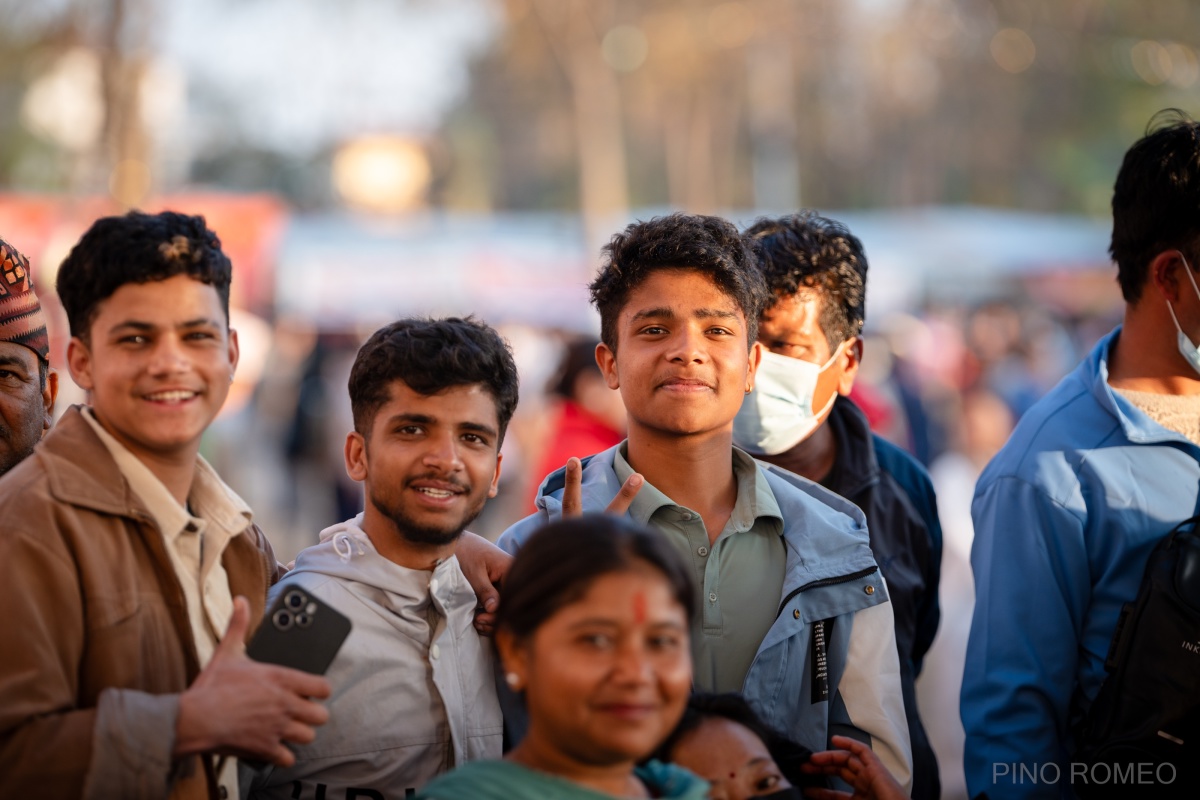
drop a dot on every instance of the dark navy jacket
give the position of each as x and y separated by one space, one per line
896 495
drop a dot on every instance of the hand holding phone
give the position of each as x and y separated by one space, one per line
300 632
245 708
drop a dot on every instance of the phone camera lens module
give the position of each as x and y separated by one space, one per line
303 620
294 599
282 619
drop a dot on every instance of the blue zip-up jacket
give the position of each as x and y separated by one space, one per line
830 574
1065 516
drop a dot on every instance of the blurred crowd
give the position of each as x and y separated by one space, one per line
944 382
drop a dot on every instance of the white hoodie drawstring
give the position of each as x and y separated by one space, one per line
342 538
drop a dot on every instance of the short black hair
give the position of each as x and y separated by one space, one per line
559 563
789 756
430 356
806 250
709 245
1156 199
138 248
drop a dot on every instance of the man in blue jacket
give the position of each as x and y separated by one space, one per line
1095 474
800 417
793 611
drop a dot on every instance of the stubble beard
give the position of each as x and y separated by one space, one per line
15 452
416 533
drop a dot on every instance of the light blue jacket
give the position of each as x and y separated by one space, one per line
830 573
1065 515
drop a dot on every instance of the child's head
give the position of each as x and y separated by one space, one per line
721 739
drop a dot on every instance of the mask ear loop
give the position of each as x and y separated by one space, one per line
1174 318
837 352
1187 268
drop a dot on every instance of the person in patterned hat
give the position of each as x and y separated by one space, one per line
28 385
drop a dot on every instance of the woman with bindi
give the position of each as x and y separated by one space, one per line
592 633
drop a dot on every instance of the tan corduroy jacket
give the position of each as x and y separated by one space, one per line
95 643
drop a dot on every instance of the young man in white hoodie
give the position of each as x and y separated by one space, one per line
413 683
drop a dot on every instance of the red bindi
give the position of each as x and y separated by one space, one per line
639 608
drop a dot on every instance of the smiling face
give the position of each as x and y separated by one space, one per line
158 363
682 364
607 676
731 758
25 405
430 463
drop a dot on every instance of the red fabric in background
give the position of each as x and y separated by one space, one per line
574 432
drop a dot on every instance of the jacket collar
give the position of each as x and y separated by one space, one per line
754 498
855 462
841 546
1138 427
81 471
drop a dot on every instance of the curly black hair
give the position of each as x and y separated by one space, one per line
709 245
806 250
1156 199
429 356
138 248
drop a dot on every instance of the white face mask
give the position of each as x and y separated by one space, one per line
1186 346
778 414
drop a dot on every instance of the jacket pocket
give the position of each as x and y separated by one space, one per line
110 610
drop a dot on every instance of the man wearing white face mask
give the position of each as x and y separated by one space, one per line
799 417
1093 477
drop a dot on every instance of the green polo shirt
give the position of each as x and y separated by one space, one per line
738 578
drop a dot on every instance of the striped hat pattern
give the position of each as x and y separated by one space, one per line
21 317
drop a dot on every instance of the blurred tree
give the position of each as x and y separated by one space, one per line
65 52
767 104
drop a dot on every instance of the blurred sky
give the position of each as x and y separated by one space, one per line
596 106
298 76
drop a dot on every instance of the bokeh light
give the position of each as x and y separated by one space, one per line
625 48
1013 50
1151 62
382 174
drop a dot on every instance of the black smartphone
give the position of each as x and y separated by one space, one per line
299 631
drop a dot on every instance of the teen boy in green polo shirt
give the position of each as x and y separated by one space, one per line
794 612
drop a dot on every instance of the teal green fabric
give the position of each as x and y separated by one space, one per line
504 780
738 577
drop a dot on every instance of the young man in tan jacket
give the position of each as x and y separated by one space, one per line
132 573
